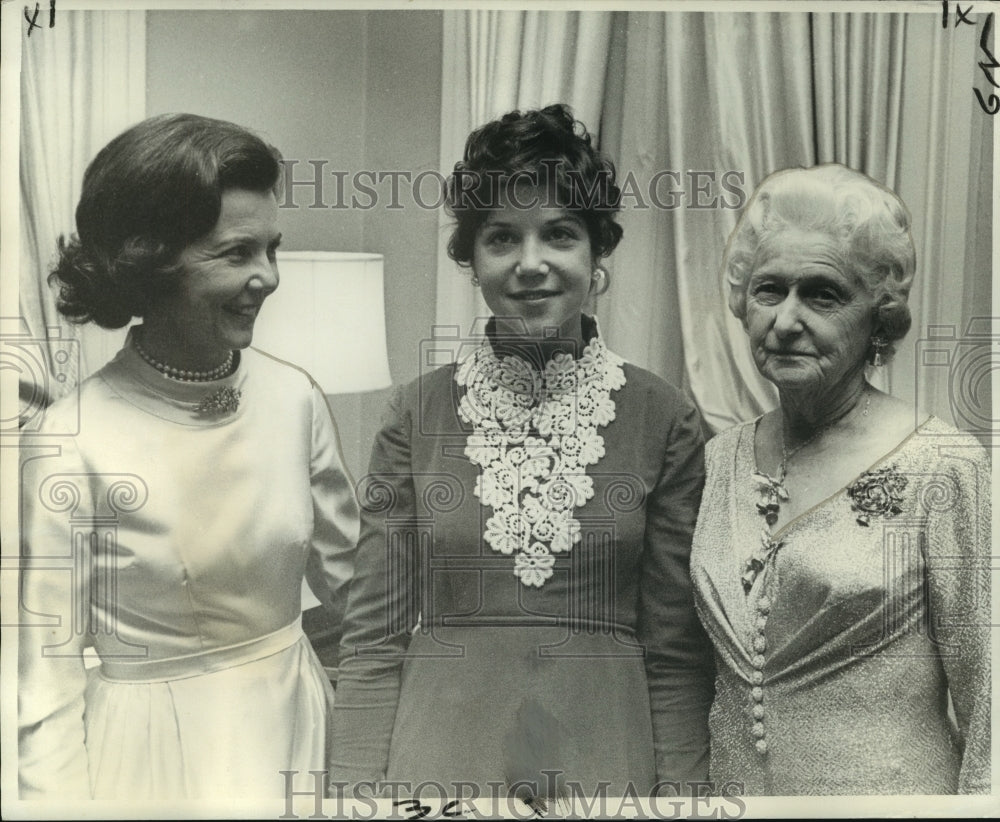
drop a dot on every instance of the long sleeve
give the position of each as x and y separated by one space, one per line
958 560
679 660
54 624
382 609
335 515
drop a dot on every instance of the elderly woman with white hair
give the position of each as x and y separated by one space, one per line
841 556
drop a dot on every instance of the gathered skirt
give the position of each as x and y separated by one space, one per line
225 734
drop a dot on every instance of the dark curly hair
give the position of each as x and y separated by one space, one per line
148 194
546 148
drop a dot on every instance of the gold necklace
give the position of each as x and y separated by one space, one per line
786 455
775 492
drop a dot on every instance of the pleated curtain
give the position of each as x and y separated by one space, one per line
82 82
497 61
705 96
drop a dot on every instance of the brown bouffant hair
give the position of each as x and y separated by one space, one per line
147 195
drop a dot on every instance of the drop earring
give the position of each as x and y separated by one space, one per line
879 344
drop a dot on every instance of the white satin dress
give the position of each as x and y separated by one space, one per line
174 541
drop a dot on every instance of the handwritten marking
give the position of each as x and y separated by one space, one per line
420 811
960 16
984 45
991 102
32 24
31 20
990 105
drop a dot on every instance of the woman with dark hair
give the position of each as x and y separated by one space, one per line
842 556
197 481
521 618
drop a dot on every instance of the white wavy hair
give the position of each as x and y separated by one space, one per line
868 222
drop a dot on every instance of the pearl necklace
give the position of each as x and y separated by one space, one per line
186 376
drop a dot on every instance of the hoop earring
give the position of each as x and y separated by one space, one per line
879 344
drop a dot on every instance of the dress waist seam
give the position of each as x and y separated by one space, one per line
576 625
203 662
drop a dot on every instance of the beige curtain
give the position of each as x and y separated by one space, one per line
945 176
729 98
698 100
697 108
497 61
82 82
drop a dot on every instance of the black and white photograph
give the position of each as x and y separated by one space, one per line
494 410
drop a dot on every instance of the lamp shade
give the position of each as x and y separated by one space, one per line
328 317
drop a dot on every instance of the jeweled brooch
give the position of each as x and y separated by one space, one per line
223 401
877 494
755 562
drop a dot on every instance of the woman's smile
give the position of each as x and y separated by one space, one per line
247 313
535 268
227 276
534 296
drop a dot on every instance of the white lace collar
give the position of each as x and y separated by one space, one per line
533 435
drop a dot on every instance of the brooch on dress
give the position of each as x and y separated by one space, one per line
773 493
223 401
877 493
758 559
773 490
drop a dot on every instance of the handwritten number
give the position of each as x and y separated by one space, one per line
983 44
418 810
414 807
994 104
452 809
991 103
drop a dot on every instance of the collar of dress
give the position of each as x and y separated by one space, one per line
533 434
197 404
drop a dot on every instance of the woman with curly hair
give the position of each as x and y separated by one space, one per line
203 480
521 620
